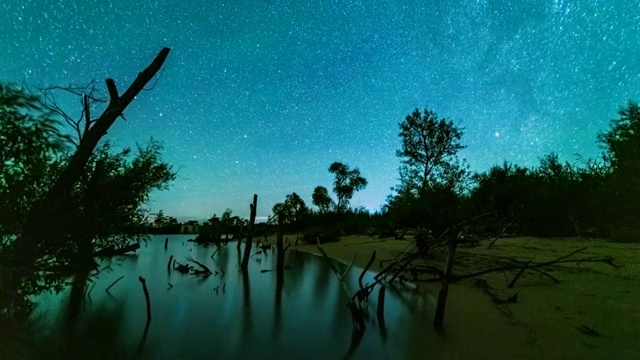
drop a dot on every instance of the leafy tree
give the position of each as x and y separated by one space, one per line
432 179
621 145
103 205
30 144
292 212
321 199
347 182
429 144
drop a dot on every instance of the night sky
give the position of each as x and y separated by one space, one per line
262 96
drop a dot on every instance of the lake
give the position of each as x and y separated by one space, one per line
235 316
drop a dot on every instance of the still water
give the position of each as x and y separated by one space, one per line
250 316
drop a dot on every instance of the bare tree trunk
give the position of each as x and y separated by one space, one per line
279 248
247 246
442 295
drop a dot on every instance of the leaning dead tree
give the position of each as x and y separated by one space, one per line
43 230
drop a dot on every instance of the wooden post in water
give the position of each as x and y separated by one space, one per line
247 246
280 247
448 267
166 241
146 296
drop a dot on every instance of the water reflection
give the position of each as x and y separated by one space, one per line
299 313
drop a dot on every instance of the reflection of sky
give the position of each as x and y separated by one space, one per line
191 320
261 98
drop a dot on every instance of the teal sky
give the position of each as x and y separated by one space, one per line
262 96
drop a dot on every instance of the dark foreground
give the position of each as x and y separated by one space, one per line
219 316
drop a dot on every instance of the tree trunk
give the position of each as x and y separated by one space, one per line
279 248
247 246
442 295
45 228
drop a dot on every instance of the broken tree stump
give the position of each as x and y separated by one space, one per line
247 246
146 296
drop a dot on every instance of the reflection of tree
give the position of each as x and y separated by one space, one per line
222 257
277 314
323 279
96 335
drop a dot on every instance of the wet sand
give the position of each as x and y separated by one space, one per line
550 321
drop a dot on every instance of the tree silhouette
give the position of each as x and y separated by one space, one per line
46 246
347 182
429 143
321 199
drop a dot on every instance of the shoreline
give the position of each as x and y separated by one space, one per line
546 320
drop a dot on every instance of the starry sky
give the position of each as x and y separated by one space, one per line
262 96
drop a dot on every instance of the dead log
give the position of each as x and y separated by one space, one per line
146 296
513 282
183 268
247 246
205 270
169 263
364 271
112 251
113 283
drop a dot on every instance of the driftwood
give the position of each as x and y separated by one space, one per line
113 283
113 251
183 268
169 263
205 270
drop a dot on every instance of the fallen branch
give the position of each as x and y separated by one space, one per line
205 269
513 282
504 230
113 251
364 271
113 283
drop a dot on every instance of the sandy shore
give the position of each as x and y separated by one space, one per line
549 321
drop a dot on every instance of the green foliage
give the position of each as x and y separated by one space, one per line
163 224
429 147
30 144
347 182
432 179
321 199
105 205
291 214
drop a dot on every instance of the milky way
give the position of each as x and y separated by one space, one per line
262 96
